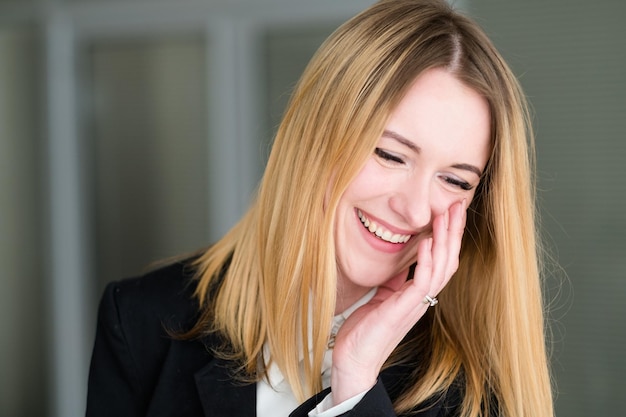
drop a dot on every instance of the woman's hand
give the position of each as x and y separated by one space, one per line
372 332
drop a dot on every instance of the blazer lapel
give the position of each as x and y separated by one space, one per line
221 395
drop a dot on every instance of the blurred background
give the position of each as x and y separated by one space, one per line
136 130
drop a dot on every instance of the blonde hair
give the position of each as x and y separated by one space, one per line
258 283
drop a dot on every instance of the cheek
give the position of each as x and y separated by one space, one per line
444 199
368 182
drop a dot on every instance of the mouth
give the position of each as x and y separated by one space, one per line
380 232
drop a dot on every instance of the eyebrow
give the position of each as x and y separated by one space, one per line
411 145
468 167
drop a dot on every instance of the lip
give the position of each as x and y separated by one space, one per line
376 242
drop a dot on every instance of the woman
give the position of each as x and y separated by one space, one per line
393 235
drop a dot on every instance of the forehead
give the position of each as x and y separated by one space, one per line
440 114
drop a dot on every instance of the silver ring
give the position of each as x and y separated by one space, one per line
431 300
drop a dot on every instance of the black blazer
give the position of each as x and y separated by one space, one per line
137 369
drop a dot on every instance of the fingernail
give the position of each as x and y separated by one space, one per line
446 218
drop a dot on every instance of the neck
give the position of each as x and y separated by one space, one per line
348 294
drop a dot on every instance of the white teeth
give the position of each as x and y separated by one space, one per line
381 233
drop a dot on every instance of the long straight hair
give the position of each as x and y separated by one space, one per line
258 283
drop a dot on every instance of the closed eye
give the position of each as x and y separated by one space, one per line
463 185
387 156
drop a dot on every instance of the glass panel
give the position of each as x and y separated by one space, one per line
22 351
150 144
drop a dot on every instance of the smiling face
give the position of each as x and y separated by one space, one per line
433 150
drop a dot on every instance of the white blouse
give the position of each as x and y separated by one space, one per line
275 398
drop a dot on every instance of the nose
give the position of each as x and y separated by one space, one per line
413 203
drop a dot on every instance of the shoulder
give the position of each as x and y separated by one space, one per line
144 310
136 363
165 293
166 280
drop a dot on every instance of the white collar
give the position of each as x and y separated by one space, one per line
275 377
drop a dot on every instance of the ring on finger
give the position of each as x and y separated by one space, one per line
432 301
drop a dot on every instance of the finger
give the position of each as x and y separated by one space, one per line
458 217
411 295
424 268
440 251
390 287
454 234
404 298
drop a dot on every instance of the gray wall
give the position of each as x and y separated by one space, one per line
22 220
